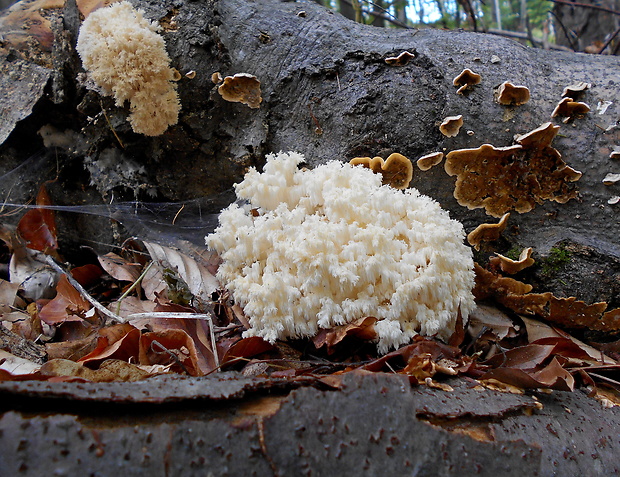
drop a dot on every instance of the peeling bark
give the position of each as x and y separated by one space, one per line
370 425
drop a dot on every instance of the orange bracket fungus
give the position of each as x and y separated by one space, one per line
507 265
510 95
512 178
465 80
241 88
487 232
397 170
400 60
451 126
569 109
430 160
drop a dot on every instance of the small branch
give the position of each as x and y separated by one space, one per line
102 309
21 347
608 42
585 5
179 315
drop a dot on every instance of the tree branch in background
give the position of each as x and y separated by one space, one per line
585 5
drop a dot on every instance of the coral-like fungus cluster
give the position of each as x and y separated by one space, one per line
126 58
314 249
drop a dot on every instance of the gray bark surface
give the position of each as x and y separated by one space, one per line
371 425
327 93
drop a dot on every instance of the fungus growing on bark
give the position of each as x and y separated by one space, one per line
241 88
216 78
615 152
451 125
507 265
575 90
510 95
512 178
400 60
487 232
430 160
126 58
569 110
396 170
466 80
331 245
611 178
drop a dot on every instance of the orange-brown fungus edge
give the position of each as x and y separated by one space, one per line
512 178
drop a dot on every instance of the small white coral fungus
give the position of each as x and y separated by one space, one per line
332 245
126 57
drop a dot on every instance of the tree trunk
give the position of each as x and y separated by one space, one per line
328 93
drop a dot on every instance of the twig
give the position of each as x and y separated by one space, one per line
110 126
169 353
132 287
585 5
102 309
179 315
608 42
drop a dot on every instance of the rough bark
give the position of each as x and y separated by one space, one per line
371 425
329 94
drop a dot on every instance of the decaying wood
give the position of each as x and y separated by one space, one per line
327 93
21 347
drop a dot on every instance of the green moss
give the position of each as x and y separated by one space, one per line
513 253
558 257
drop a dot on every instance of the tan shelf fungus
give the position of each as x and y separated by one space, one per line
509 94
518 177
397 170
466 80
451 125
241 88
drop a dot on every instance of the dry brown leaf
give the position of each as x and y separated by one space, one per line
552 376
246 348
118 342
68 305
486 317
112 370
119 268
8 291
170 347
200 281
363 328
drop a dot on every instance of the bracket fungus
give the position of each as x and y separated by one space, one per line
611 178
429 160
328 246
126 57
510 95
241 88
615 152
575 90
396 170
487 232
515 177
451 125
507 265
466 80
569 110
400 60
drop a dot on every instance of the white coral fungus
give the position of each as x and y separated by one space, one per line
319 248
126 57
